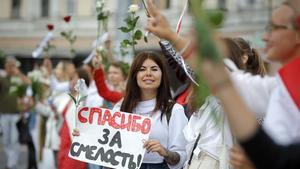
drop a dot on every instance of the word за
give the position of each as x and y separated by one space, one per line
117 120
111 156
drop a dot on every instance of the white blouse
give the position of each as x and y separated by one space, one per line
210 122
170 135
267 96
254 89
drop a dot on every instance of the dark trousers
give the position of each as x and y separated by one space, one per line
31 156
154 166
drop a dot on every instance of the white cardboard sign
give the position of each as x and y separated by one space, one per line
110 138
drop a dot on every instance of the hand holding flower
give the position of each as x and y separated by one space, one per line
75 132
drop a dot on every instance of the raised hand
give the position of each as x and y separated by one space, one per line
97 61
158 24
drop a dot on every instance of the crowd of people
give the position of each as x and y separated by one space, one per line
250 120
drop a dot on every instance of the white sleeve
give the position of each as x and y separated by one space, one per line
177 142
255 90
282 122
58 86
43 109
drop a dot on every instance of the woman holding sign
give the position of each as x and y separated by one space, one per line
148 93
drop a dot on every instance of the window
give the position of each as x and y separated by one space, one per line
45 8
16 5
71 7
222 4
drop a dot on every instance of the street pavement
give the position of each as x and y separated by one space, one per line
22 164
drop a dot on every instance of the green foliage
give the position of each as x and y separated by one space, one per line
18 90
205 21
71 38
83 98
135 34
2 55
74 100
105 61
215 17
37 89
48 47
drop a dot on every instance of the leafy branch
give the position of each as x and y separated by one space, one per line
130 28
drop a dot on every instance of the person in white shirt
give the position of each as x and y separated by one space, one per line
148 93
267 95
209 136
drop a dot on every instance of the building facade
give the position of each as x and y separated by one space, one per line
23 22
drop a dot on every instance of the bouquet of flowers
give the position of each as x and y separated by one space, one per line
17 87
36 77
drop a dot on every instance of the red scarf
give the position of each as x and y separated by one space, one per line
290 75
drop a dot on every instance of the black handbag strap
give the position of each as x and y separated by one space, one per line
194 147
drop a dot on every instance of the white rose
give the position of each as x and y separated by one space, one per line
98 4
81 87
16 80
133 8
100 49
35 75
13 89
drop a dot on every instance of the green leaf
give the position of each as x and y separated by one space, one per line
215 17
135 21
128 21
63 34
124 29
146 39
74 100
133 43
73 51
125 43
72 40
138 34
82 99
101 16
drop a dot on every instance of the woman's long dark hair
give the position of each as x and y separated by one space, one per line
133 93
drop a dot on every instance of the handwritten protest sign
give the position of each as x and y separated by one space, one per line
110 138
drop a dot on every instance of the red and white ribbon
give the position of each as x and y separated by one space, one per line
178 27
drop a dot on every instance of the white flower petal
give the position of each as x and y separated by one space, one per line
133 8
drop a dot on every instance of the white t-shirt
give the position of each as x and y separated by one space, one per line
170 135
